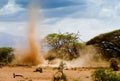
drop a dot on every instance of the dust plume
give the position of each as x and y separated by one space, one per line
89 57
30 54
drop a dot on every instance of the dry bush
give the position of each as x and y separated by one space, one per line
50 56
39 69
114 64
59 76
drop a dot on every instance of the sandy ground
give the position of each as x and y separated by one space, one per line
6 74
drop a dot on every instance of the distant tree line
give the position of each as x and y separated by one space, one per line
67 46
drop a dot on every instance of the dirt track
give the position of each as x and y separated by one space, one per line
6 74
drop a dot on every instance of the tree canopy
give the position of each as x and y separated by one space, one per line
64 45
108 43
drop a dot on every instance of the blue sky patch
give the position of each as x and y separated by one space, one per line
90 17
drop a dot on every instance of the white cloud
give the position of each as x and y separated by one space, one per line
95 2
2 29
10 8
97 9
91 21
105 12
15 28
88 28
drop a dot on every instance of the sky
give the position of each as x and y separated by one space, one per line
88 17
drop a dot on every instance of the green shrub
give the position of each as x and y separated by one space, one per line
105 75
6 54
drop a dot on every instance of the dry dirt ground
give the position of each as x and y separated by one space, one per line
6 74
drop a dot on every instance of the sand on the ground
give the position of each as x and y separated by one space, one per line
6 74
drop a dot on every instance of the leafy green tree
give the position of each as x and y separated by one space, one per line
65 45
6 54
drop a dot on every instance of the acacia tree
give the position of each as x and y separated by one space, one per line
108 44
65 45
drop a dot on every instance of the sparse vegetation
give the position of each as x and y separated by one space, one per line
105 75
60 75
67 46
